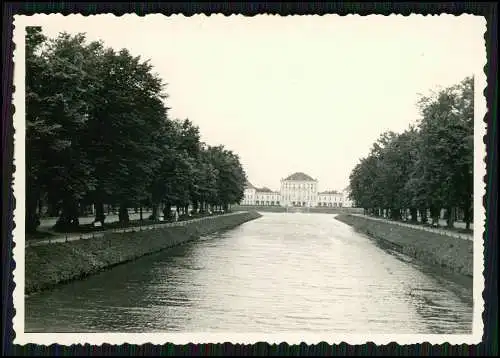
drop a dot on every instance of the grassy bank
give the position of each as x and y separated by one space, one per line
452 254
50 265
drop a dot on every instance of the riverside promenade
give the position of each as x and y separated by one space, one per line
60 238
441 231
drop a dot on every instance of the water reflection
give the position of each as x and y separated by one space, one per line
280 272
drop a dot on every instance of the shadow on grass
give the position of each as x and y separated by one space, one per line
90 228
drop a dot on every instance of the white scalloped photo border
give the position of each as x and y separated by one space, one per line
21 21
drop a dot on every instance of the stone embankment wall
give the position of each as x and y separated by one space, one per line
451 253
52 264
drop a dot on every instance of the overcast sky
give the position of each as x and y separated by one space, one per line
300 93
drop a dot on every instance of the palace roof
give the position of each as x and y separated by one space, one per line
299 176
249 185
265 190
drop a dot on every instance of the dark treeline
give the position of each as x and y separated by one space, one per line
98 133
426 168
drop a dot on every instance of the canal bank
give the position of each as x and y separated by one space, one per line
452 254
49 265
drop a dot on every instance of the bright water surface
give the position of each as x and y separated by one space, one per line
282 272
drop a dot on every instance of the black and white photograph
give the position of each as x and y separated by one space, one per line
249 179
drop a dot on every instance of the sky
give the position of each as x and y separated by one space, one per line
299 93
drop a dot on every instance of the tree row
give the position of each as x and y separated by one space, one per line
98 133
427 169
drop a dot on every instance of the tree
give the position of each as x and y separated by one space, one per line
427 167
363 187
446 151
231 177
127 114
56 115
39 131
205 180
98 132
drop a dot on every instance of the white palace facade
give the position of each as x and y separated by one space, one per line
297 190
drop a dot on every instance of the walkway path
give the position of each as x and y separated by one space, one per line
94 235
47 223
442 231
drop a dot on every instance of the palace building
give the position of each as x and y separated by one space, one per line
297 190
260 196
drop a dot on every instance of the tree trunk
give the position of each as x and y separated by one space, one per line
423 215
450 216
467 218
467 214
413 215
226 207
186 209
32 219
68 221
81 209
195 207
123 214
167 211
154 211
53 208
99 212
395 214
140 213
435 216
40 207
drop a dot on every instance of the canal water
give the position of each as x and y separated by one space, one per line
282 272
